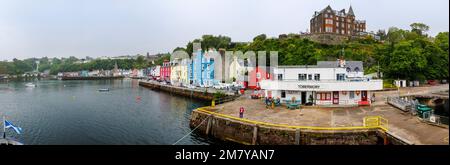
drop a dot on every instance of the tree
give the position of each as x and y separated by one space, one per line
441 40
419 28
260 37
382 34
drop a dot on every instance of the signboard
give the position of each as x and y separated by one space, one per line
309 86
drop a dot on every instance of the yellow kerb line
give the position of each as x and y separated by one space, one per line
379 124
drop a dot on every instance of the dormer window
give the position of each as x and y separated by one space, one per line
348 69
356 69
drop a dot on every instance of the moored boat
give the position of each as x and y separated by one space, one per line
103 90
30 85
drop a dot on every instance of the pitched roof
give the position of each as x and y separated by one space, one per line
350 11
348 64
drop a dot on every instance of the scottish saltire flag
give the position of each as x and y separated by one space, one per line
10 125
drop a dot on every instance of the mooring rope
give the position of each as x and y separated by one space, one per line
191 131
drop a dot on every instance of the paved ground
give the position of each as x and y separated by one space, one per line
402 124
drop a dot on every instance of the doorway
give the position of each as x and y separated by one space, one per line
363 95
303 98
335 97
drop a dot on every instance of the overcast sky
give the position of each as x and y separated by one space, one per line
62 28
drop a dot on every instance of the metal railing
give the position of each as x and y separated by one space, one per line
376 122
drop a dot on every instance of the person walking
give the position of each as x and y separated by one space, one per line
241 112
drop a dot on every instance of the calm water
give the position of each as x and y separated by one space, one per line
74 112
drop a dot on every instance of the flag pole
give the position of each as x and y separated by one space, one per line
4 129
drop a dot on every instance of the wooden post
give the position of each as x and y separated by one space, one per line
208 125
385 139
297 137
255 134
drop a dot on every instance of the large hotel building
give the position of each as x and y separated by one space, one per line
336 22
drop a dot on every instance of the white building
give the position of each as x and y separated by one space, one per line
155 71
327 83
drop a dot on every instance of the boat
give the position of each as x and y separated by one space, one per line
103 90
30 85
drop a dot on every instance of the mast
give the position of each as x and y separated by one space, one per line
4 129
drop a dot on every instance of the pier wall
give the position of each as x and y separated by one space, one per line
253 134
192 93
92 78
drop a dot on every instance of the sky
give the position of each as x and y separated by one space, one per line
80 28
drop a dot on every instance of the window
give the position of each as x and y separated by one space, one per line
343 31
301 77
309 76
328 29
280 76
352 94
340 77
326 15
324 95
356 69
328 21
283 94
348 69
317 77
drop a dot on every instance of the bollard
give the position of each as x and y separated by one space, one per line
213 103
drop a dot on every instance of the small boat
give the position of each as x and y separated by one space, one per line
103 90
30 85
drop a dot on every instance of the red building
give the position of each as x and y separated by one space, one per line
255 76
165 71
336 22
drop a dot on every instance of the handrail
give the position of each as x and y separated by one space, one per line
379 125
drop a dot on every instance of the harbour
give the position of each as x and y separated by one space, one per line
75 112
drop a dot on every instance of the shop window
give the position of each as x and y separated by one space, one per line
283 94
324 96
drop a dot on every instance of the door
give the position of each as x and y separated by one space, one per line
335 97
303 98
363 95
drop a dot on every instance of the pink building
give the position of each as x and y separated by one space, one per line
165 71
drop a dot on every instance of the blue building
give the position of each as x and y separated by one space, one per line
201 70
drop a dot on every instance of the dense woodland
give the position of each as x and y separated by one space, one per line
401 53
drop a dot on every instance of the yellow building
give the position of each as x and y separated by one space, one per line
179 72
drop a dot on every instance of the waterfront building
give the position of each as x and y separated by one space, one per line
329 21
155 72
327 83
165 71
70 74
184 78
237 71
84 73
175 71
256 75
202 70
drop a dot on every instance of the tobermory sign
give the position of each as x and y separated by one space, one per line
309 86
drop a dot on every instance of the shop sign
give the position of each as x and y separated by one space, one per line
309 86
